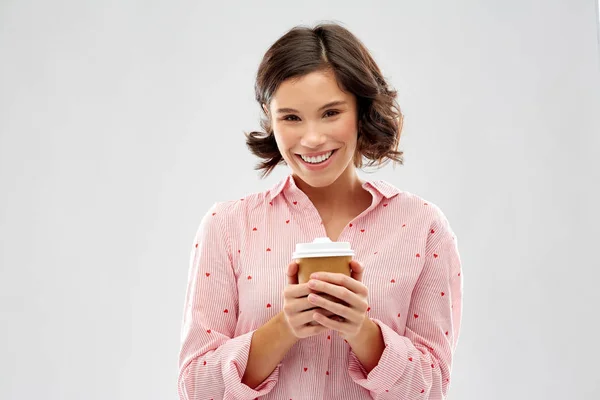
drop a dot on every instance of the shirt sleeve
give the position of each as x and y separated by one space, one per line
212 360
417 363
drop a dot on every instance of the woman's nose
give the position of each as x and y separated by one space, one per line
313 139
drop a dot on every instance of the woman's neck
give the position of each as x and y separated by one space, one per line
341 197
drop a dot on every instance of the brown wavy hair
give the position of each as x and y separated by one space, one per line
330 47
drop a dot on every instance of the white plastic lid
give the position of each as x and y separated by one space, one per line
322 247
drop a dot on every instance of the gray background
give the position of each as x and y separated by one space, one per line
121 124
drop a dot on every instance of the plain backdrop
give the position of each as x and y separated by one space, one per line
121 123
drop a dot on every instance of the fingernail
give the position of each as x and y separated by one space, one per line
314 276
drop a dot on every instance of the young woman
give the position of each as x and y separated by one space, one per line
249 328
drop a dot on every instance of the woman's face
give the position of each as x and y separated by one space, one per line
311 117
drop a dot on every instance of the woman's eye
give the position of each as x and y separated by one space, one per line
331 113
290 118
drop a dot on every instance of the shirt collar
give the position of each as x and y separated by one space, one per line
387 190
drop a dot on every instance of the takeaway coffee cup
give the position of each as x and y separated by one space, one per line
322 255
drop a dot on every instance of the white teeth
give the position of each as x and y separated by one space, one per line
317 160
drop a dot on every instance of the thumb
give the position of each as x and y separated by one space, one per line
292 273
357 270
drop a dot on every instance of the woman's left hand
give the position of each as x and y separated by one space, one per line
348 289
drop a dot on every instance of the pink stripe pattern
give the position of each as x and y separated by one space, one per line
237 275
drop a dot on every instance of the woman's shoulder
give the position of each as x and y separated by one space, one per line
408 200
244 205
425 210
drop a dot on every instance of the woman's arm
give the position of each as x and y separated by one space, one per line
417 363
212 360
270 343
368 345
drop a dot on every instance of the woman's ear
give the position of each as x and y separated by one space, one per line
265 109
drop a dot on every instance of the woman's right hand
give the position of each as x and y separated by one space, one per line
296 314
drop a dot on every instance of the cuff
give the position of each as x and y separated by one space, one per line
390 367
234 366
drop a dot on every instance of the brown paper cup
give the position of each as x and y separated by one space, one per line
307 266
323 255
339 264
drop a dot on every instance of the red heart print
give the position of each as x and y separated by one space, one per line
287 221
398 315
204 363
416 315
385 205
443 293
208 331
207 274
350 225
214 214
268 249
375 253
432 231
418 255
196 245
403 225
393 281
426 204
225 311
249 277
432 366
271 203
254 229
369 309
459 274
423 391
345 341
435 255
269 305
328 337
239 251
242 199
326 372
409 358
295 202
305 369
362 230
446 333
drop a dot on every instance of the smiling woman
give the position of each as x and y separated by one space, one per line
387 328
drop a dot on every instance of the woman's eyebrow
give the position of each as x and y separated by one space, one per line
330 104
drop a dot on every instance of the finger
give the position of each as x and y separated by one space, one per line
296 291
292 273
330 323
339 292
311 330
303 318
324 312
327 313
335 308
293 306
333 280
357 270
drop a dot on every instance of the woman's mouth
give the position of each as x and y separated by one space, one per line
318 162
